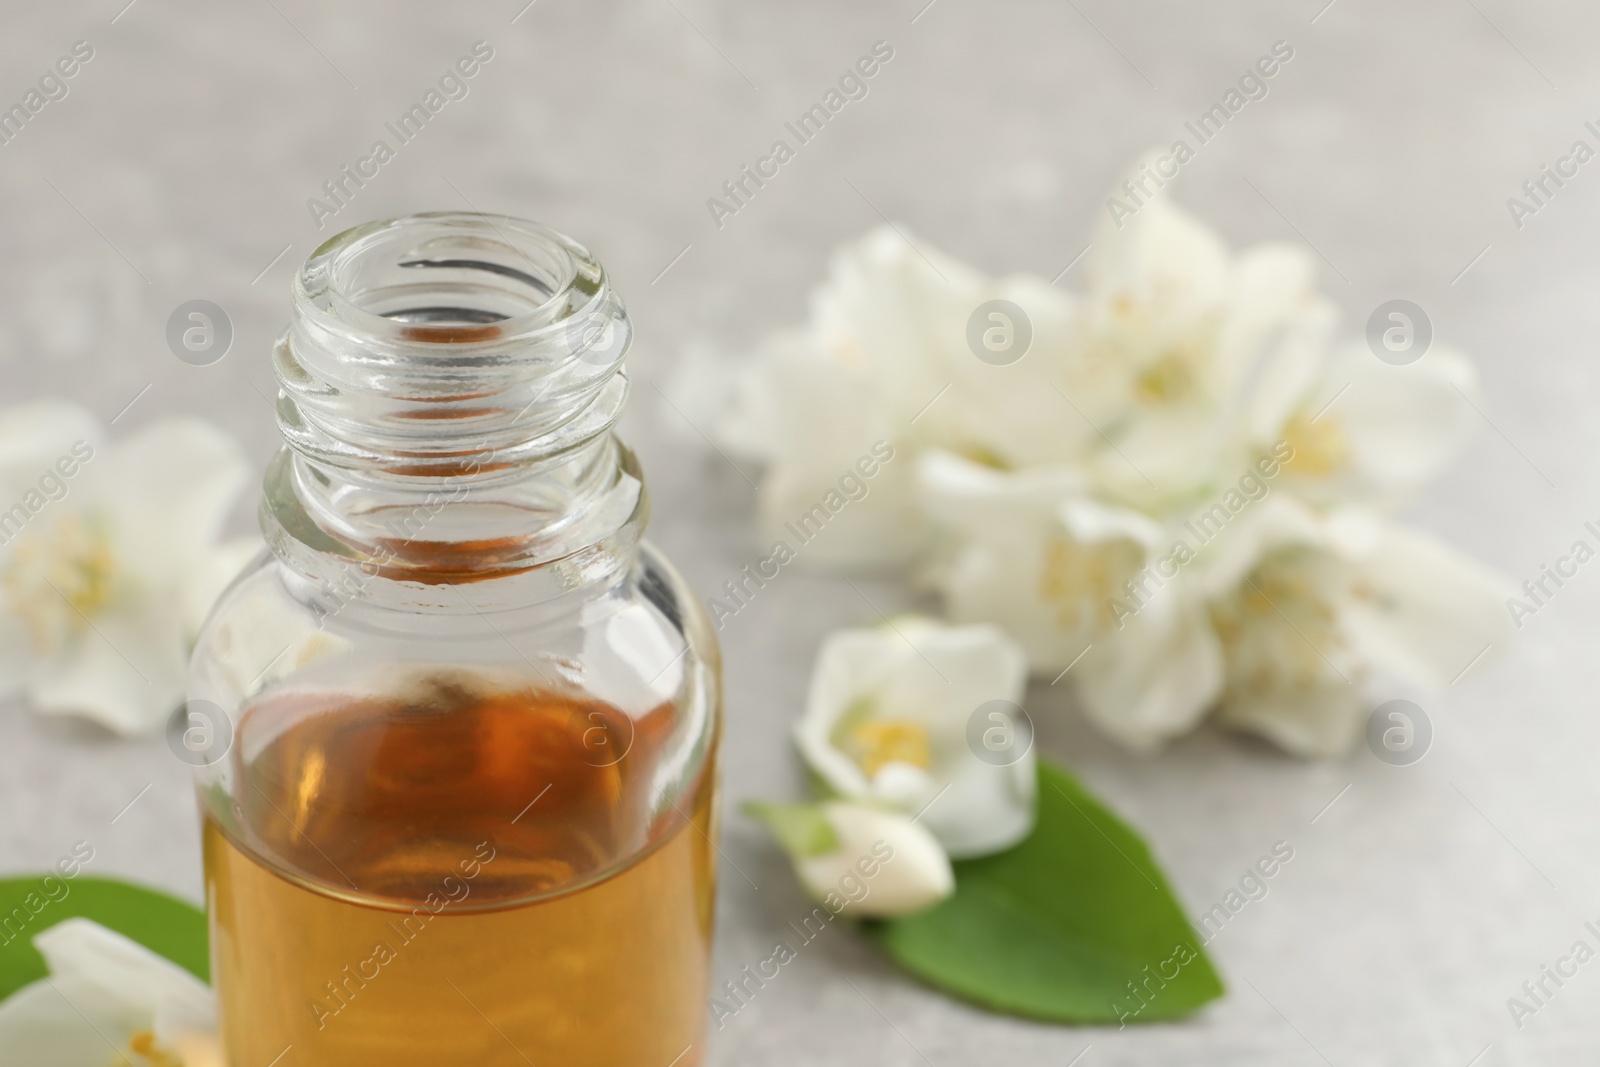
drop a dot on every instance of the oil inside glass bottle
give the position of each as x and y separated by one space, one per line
454 872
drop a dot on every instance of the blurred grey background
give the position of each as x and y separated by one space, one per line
179 165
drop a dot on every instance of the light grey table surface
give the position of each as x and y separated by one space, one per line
179 167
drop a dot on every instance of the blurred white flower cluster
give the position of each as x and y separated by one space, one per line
1176 484
110 559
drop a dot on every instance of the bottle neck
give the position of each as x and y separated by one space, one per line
447 390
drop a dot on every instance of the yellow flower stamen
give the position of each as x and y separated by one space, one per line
59 577
1168 380
1320 446
1081 580
1277 630
983 455
143 1045
877 742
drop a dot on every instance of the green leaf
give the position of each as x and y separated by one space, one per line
802 829
165 925
1059 926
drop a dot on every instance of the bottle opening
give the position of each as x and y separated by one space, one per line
449 278
438 344
461 367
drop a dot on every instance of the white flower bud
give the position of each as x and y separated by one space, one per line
861 861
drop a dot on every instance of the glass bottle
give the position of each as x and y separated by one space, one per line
467 807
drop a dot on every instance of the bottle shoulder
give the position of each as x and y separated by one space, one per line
636 641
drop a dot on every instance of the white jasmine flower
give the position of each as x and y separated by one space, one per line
108 1000
1156 677
860 860
1176 329
887 720
1309 610
900 313
1068 579
100 546
812 418
885 356
1365 430
1032 553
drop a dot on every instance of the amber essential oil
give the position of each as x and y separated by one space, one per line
452 880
